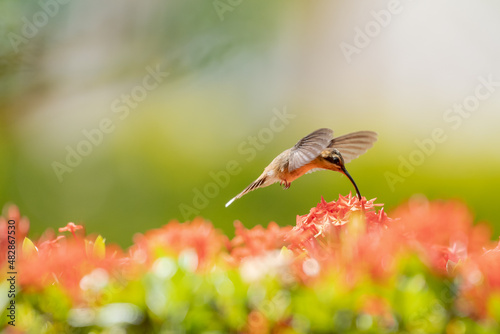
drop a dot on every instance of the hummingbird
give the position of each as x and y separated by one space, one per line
316 151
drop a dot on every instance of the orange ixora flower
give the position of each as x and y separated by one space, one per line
196 243
480 277
52 243
327 219
71 227
443 232
347 235
64 262
348 246
256 241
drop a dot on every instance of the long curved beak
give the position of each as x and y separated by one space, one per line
352 181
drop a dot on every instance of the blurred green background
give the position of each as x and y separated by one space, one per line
70 67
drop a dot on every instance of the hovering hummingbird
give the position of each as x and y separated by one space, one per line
318 150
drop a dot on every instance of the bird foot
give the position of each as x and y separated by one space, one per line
285 184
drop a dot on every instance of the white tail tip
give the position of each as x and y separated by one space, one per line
231 201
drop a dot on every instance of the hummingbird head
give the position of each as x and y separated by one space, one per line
335 161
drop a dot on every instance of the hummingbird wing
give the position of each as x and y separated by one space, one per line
308 148
354 144
314 170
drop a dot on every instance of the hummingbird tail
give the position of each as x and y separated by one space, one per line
231 201
254 185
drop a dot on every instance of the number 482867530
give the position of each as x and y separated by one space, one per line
11 254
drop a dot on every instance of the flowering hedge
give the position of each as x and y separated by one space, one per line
345 267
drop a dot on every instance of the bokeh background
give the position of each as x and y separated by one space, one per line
233 66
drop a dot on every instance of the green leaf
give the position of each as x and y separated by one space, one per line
29 248
494 306
99 247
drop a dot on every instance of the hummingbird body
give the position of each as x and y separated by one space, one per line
316 151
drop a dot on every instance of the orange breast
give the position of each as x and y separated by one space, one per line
291 176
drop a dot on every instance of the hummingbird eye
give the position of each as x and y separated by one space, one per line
334 160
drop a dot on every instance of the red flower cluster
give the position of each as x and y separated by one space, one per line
347 234
175 238
443 232
63 261
349 238
256 241
481 282
351 234
327 220
353 239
